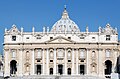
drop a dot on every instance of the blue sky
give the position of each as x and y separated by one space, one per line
39 13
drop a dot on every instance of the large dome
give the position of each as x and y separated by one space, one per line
65 24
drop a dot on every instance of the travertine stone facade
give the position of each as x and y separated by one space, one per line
63 50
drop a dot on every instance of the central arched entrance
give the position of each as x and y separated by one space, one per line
69 71
108 69
13 67
60 69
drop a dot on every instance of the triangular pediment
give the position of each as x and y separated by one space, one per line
60 39
14 30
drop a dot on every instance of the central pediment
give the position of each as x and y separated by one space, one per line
60 39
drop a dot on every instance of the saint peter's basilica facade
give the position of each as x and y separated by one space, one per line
63 50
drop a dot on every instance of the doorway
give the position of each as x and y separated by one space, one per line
51 71
69 71
108 69
60 69
13 67
38 69
82 69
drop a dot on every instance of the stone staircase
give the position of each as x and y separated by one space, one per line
57 77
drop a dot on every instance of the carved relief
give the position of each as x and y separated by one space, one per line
108 30
14 30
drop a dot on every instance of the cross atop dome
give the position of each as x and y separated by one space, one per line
64 7
65 13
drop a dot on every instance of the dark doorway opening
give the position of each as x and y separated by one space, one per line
13 67
118 65
1 65
51 71
69 71
82 69
108 69
60 69
38 69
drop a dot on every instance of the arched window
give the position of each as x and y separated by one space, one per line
107 53
93 67
39 53
93 54
27 54
69 54
27 68
13 53
82 54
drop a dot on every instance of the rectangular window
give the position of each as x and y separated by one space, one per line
107 37
69 60
13 38
27 54
38 60
27 37
93 37
81 60
69 37
81 37
51 60
51 38
38 37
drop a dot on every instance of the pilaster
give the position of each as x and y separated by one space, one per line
20 62
76 61
73 62
47 62
54 62
33 62
65 62
100 65
7 63
43 56
87 62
